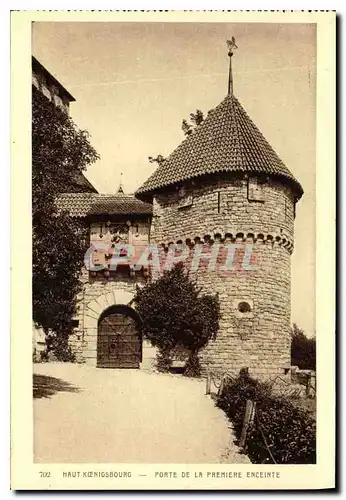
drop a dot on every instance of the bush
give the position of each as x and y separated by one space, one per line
64 353
57 349
303 350
163 360
175 313
193 367
290 432
44 356
36 357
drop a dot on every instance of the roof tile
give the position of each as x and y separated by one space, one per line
227 141
84 204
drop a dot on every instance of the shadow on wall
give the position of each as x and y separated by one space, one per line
45 387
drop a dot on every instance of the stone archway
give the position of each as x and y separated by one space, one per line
119 342
92 313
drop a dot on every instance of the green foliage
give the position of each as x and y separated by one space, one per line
303 349
174 312
290 431
60 152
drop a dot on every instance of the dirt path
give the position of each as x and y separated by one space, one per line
85 414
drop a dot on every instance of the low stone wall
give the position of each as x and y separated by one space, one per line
149 356
38 340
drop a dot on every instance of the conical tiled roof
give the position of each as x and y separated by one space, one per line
227 141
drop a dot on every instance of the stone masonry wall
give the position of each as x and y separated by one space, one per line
103 290
97 295
223 207
222 212
259 339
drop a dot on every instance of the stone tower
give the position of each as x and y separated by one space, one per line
225 184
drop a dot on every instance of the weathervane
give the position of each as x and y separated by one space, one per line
231 47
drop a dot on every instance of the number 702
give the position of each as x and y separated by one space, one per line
44 474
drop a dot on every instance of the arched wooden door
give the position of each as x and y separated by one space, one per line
118 340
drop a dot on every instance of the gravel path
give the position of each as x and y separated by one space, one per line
85 414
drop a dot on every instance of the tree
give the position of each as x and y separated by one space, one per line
196 119
303 349
175 313
60 152
186 127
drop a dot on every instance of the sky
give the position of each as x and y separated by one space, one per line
135 82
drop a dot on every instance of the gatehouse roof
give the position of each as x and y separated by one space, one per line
85 204
227 141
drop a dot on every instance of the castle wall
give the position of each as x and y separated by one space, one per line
97 295
260 338
223 207
101 291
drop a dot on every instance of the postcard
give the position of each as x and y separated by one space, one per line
173 190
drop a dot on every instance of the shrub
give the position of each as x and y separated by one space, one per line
175 313
193 367
57 348
303 350
290 432
36 358
44 356
64 353
163 360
